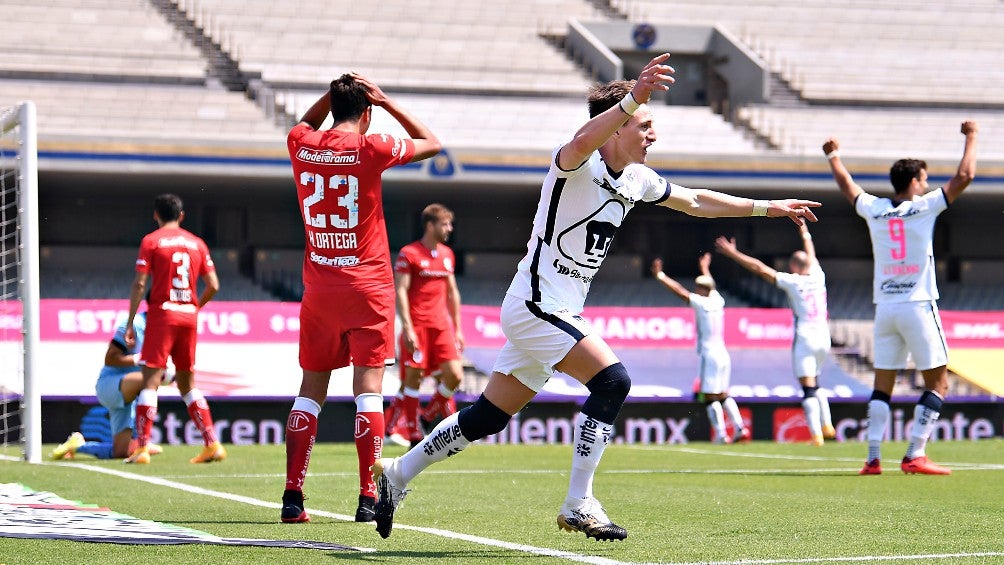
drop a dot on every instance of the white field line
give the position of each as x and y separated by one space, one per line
578 558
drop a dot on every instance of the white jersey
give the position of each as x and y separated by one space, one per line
902 236
807 298
578 213
709 315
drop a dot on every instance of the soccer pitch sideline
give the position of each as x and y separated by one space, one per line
698 503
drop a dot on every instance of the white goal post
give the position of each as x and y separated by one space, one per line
20 401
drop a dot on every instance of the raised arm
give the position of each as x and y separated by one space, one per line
967 167
807 245
677 288
426 143
596 132
705 203
849 188
727 247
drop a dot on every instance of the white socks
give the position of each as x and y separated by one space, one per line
443 441
589 440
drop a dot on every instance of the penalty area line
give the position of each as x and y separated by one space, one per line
541 551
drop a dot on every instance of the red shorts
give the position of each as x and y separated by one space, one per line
435 347
162 341
339 328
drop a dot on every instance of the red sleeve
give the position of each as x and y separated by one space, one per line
145 258
391 151
207 261
403 263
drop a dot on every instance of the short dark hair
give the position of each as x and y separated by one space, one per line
435 212
348 99
904 171
606 95
168 207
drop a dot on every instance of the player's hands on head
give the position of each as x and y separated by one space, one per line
656 266
830 146
374 94
969 127
655 76
798 210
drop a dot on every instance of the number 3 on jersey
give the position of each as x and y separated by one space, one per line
349 202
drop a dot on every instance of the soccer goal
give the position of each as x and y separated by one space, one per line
20 401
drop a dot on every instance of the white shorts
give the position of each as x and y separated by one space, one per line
909 328
716 371
808 353
538 337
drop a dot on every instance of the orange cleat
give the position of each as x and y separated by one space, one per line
873 467
923 466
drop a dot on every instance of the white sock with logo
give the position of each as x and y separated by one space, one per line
443 441
878 417
589 439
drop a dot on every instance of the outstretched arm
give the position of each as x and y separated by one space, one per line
705 203
848 187
596 132
669 283
426 143
807 245
967 167
727 247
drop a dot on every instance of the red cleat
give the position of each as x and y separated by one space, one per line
872 467
923 466
745 436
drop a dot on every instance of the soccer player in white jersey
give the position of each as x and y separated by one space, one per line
716 364
805 286
593 182
906 293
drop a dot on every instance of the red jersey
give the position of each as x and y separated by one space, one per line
430 270
338 183
175 259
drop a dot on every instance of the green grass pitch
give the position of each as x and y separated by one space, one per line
697 503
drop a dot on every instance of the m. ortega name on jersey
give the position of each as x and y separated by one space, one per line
327 156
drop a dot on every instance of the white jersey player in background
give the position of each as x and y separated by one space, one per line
805 286
906 293
593 182
716 364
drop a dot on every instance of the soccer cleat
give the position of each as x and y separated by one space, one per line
816 440
722 440
153 448
68 448
140 457
398 439
210 453
923 466
873 467
389 496
292 508
742 436
366 509
587 516
829 432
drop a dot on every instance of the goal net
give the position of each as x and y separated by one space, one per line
20 403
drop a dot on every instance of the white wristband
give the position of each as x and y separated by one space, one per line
833 154
628 104
760 207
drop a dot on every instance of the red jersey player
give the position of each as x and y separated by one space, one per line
429 305
173 259
347 312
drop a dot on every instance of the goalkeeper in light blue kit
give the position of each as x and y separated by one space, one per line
118 386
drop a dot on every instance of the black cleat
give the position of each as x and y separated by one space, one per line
366 511
388 497
587 516
292 507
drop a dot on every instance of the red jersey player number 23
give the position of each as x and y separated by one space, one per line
339 187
